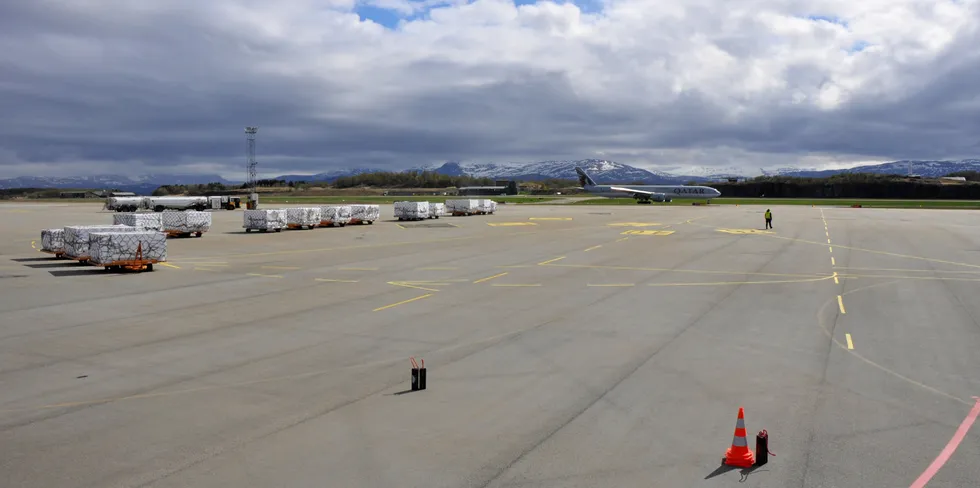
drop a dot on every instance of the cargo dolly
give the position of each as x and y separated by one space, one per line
179 233
136 264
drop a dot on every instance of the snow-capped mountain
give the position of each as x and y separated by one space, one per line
927 169
600 170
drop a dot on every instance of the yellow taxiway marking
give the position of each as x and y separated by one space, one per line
723 283
359 269
634 224
623 239
410 284
550 218
831 248
410 300
34 246
488 278
832 261
840 303
648 232
908 270
509 224
334 281
613 284
280 267
850 343
551 261
205 269
836 281
169 265
697 271
265 275
828 234
436 268
744 231
828 240
516 284
593 248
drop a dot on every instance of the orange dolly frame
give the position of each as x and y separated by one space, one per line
138 264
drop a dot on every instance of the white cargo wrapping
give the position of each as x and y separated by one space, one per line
269 219
188 221
303 216
411 210
335 214
488 206
108 248
53 240
148 221
364 213
464 206
437 209
77 237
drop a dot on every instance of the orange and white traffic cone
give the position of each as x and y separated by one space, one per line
739 454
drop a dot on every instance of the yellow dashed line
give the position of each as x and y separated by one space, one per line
169 265
265 275
614 284
551 261
334 281
836 281
593 248
517 285
402 302
840 303
850 343
488 278
832 261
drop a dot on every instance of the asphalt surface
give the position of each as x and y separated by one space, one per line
565 346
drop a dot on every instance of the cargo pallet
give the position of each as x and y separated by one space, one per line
138 264
300 227
177 233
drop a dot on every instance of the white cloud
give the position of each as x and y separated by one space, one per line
741 82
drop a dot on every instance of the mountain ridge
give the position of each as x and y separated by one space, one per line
601 170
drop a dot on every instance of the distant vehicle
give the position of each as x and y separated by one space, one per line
124 204
646 193
159 204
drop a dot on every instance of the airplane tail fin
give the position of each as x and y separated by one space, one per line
583 178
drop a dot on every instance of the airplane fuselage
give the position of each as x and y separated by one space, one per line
670 191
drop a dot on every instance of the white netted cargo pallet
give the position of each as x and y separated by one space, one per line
186 223
463 207
265 220
364 214
77 238
135 251
411 210
53 241
331 215
486 206
436 210
298 218
148 221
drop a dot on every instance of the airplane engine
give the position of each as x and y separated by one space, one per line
659 197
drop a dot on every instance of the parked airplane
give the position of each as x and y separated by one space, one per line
645 193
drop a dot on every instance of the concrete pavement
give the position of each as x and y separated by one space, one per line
569 346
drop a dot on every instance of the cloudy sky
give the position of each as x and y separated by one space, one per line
167 86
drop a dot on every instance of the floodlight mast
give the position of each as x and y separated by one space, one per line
251 163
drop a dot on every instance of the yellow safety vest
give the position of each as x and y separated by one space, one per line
768 215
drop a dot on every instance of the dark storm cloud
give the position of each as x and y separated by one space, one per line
112 87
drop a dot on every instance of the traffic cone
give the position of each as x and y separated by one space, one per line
739 454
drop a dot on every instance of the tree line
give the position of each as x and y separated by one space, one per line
852 185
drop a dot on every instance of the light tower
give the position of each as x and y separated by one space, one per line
251 164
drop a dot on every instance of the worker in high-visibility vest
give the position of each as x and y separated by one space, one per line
768 219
